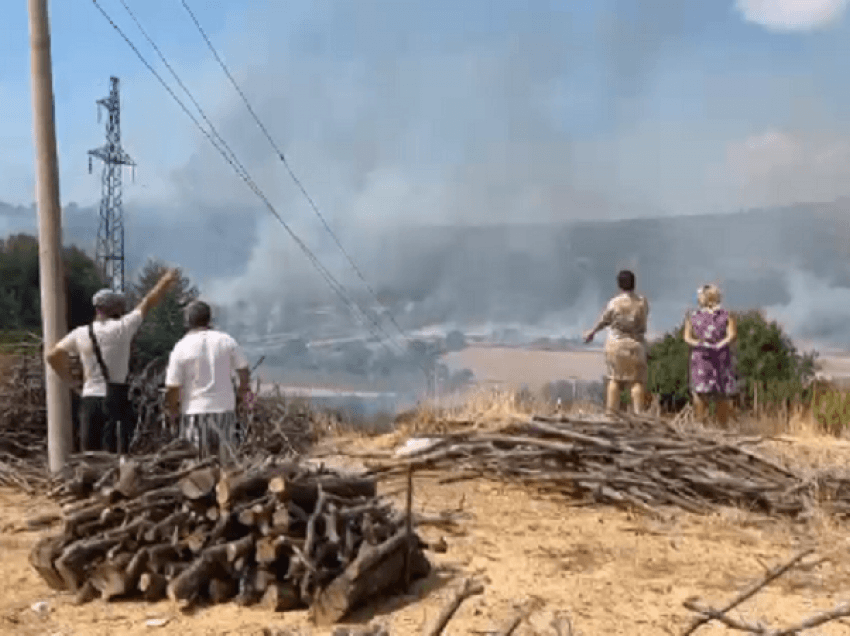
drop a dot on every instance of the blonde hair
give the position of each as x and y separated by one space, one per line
709 296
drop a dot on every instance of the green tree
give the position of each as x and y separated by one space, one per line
668 370
163 326
766 357
83 279
20 296
19 276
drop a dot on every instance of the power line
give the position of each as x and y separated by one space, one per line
243 174
177 78
283 159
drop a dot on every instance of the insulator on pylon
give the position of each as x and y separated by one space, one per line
89 164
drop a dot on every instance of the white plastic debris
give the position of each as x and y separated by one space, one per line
158 622
41 608
415 445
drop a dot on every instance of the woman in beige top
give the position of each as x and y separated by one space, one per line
625 350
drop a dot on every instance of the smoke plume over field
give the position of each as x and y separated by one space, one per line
491 165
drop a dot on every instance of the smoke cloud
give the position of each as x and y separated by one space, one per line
792 15
490 166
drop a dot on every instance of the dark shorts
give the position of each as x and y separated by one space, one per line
100 432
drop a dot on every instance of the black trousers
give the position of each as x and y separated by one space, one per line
106 425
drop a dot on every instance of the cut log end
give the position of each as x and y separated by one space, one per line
281 597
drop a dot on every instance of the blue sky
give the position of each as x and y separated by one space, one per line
86 51
398 112
395 111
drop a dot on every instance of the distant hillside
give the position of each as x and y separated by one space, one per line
554 277
208 243
529 273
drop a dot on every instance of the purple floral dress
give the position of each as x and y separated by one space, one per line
711 370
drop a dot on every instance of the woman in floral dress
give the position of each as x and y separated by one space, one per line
710 331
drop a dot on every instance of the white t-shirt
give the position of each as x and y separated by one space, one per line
202 365
114 337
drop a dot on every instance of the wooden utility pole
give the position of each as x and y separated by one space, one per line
53 311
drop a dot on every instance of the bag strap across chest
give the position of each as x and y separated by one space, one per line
98 354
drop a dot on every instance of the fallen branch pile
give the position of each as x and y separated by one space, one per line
277 425
271 425
23 419
271 532
634 461
148 399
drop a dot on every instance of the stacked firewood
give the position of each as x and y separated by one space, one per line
631 461
274 532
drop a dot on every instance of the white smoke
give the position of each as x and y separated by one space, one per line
779 167
792 15
817 312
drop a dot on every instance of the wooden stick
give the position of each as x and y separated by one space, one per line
511 625
816 620
750 591
409 528
467 589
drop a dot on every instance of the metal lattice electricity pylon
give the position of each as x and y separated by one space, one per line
109 252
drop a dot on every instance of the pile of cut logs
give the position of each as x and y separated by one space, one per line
633 461
277 533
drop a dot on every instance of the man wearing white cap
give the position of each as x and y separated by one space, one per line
106 418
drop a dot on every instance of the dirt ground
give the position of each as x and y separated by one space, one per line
609 571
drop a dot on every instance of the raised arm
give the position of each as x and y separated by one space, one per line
155 295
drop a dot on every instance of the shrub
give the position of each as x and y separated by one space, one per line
668 370
164 324
767 361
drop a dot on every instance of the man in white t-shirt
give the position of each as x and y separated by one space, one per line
199 383
106 425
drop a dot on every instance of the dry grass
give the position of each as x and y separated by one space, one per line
483 408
